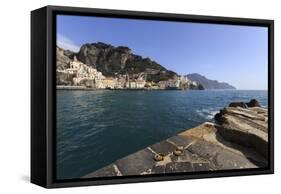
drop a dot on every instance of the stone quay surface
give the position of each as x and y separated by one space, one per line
237 140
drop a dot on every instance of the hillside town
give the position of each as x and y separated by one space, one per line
134 71
89 77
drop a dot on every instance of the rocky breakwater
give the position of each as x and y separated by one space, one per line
238 139
245 124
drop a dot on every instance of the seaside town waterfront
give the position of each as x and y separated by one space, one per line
81 76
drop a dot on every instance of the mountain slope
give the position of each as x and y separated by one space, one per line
207 83
112 60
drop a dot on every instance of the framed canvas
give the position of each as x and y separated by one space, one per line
126 96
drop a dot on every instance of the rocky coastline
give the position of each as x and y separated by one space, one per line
65 87
238 139
103 66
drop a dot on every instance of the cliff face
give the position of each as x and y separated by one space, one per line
207 83
119 61
103 66
112 60
105 58
63 60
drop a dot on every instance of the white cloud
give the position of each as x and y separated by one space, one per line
66 43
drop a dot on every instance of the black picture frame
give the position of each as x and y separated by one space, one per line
43 94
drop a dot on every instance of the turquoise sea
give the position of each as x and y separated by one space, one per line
95 128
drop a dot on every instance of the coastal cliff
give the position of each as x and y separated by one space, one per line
208 83
103 66
238 139
110 61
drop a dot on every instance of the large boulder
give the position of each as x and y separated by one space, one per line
245 126
253 103
238 104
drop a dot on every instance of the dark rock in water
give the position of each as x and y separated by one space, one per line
201 87
219 117
253 103
238 104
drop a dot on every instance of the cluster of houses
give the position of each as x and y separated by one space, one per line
181 82
84 75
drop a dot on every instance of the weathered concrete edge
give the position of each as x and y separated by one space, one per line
129 165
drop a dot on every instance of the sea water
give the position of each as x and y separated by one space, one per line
95 128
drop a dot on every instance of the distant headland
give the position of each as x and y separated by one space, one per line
103 66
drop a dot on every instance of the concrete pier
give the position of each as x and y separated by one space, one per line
237 140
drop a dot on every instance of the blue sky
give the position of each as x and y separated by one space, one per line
229 53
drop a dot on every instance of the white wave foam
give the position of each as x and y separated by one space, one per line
207 113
